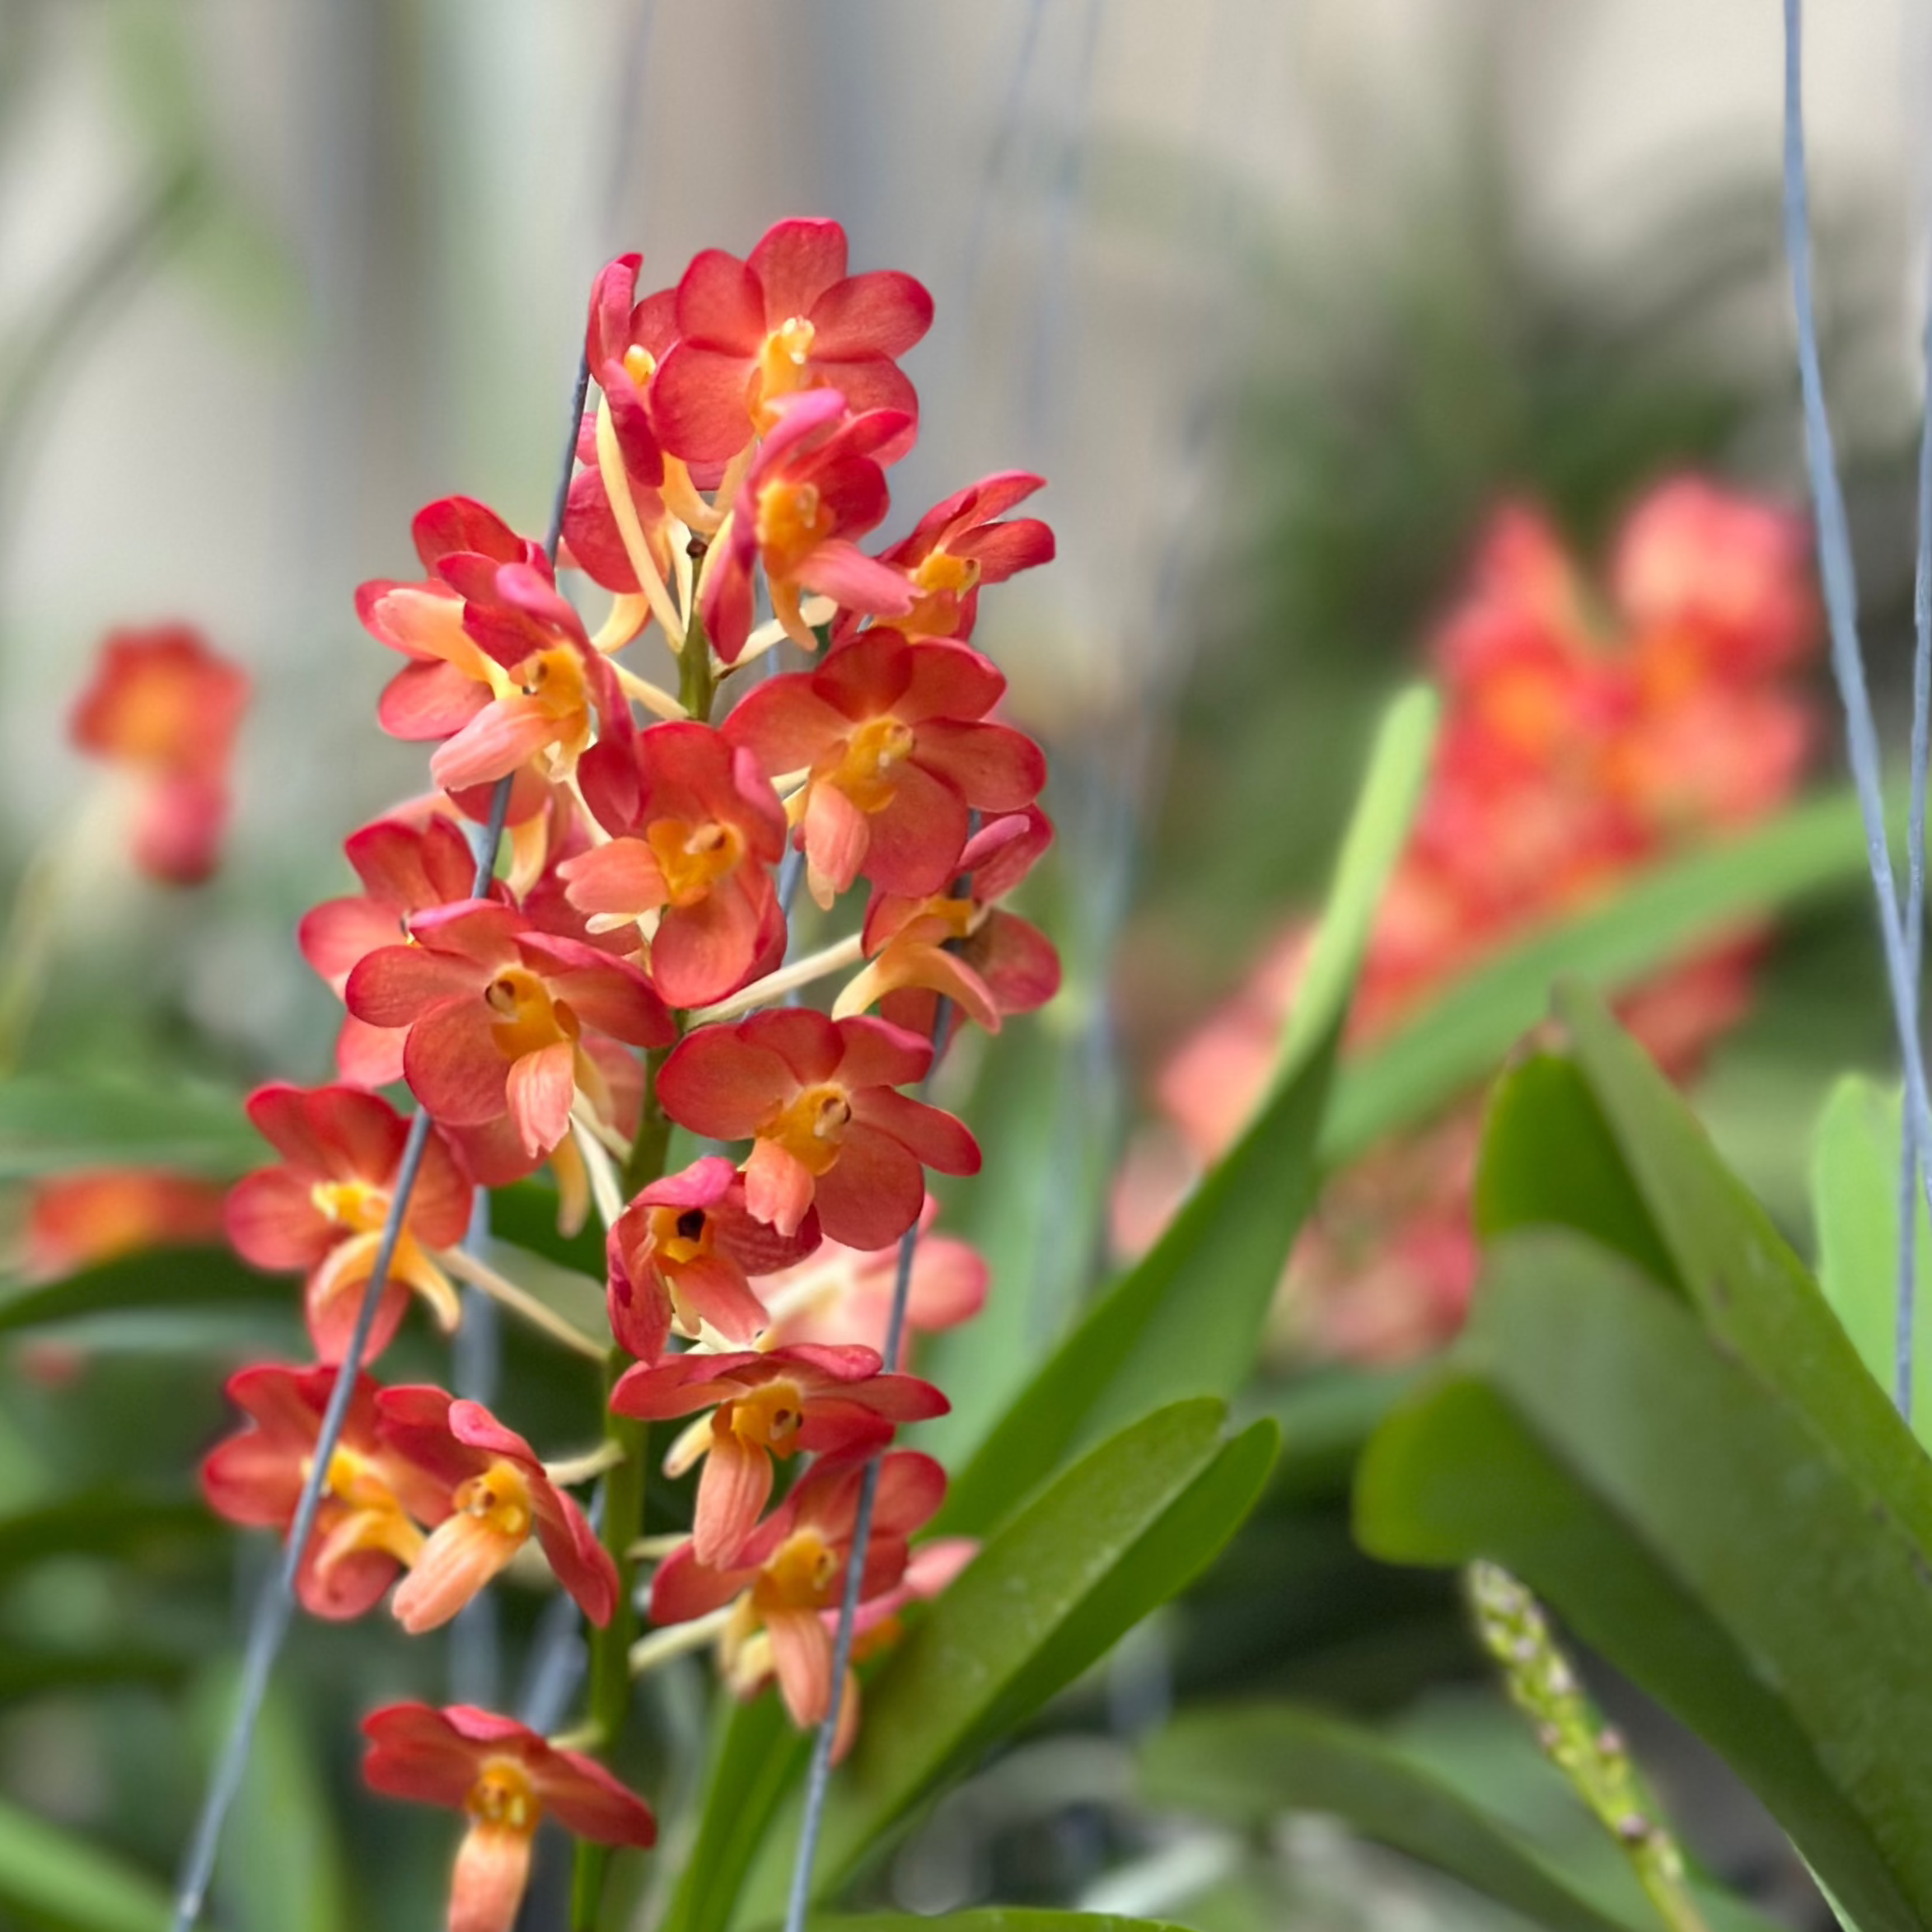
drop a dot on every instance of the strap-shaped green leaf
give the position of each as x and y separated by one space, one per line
1691 1525
1125 1529
1184 1320
54 1878
1458 1041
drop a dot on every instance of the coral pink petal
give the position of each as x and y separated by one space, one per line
813 1046
719 1084
802 1655
369 1056
273 1223
843 572
582 1565
684 1588
796 262
424 701
704 952
454 1066
502 736
715 1291
874 1053
734 1487
785 724
538 1092
396 984
915 842
778 1186
939 1140
873 1195
839 837
698 403
720 304
883 313
994 766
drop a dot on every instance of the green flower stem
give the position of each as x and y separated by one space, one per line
1544 1685
623 1484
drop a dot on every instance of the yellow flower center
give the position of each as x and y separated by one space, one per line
503 1795
865 767
769 1418
355 1204
942 571
798 1576
639 364
680 1236
498 1501
692 858
812 1129
555 679
792 520
781 367
529 1019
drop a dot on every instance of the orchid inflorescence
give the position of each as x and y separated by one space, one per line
631 969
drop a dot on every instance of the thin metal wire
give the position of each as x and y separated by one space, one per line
1840 586
275 1607
818 1779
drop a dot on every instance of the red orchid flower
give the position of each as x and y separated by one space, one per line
681 1252
507 1780
840 1295
366 1529
163 706
79 1220
551 690
404 869
495 1494
624 340
786 1580
958 545
819 1098
876 1626
815 486
789 318
447 680
830 1401
322 1210
497 1014
697 825
990 962
894 739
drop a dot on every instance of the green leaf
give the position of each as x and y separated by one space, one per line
1751 1291
1549 1160
756 1757
1183 1321
53 1877
1453 1045
282 1862
1119 1534
1249 1763
1855 1159
1694 1530
526 1216
51 1125
995 1918
162 1278
116 1522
